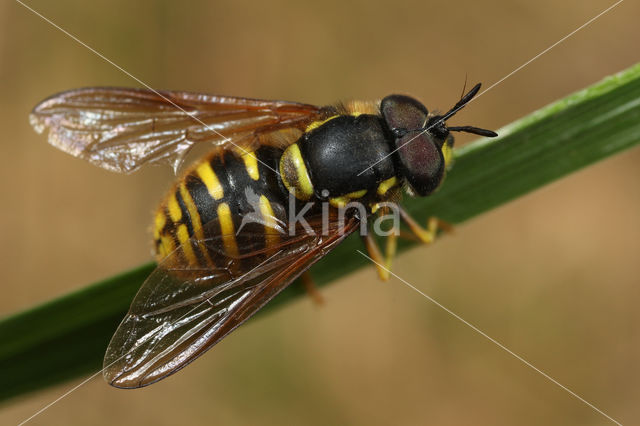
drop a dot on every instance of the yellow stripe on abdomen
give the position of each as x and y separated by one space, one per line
183 238
196 222
158 224
211 181
175 213
193 211
251 164
165 247
227 230
271 235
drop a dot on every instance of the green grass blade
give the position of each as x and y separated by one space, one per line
66 337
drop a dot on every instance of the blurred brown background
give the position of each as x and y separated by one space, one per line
553 276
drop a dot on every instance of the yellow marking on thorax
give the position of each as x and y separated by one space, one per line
447 153
383 208
343 200
251 164
294 175
271 233
386 185
354 112
209 178
183 238
175 213
316 124
227 230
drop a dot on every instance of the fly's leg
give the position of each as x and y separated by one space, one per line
425 235
311 288
382 262
418 233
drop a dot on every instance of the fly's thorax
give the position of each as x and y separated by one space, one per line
343 159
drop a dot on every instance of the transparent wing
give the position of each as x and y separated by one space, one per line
121 129
182 310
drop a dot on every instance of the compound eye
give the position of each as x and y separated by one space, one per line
421 162
402 113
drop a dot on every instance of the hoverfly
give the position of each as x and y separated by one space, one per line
215 267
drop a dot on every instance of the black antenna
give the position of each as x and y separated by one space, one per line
462 102
474 130
438 121
458 106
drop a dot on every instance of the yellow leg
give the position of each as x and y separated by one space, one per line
383 263
425 235
390 250
374 253
312 290
408 236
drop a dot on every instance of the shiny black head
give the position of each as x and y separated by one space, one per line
422 142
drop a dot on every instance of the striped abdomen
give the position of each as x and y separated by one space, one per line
220 194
